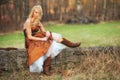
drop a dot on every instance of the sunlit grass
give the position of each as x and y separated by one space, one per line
15 39
102 34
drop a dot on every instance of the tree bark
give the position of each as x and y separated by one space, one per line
26 4
104 9
61 14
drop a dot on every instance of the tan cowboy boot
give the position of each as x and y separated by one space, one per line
70 44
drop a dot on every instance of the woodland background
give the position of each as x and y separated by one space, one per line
13 13
100 60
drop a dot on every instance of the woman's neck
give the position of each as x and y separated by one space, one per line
32 20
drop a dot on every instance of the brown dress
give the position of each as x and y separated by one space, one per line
36 49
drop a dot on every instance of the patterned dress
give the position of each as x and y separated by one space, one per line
38 51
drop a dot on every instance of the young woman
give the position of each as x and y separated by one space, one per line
42 46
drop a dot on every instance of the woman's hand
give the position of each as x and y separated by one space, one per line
42 39
48 34
45 39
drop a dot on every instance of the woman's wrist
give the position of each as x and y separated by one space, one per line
43 39
38 39
47 34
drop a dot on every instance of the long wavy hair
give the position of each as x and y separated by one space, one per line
36 22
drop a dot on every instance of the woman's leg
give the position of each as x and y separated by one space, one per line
60 39
68 43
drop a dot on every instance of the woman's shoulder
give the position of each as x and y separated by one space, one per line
27 21
26 24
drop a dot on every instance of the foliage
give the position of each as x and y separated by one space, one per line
14 12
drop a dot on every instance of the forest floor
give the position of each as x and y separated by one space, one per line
95 67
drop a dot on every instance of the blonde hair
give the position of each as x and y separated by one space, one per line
40 14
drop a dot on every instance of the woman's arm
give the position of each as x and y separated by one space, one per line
43 29
29 33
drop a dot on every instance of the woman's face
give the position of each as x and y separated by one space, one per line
36 13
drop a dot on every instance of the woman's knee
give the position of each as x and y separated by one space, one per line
59 40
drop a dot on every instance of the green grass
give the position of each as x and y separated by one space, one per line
15 39
102 34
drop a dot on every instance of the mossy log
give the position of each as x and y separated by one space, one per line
14 59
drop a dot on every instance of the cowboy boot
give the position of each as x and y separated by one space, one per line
70 44
46 66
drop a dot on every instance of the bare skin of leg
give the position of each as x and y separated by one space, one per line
59 40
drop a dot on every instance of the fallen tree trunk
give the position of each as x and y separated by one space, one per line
14 59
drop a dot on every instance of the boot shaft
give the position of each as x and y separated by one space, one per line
70 44
46 66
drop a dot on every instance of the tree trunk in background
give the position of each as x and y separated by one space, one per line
118 9
15 12
66 4
0 13
104 9
44 7
92 8
26 4
110 9
114 9
48 6
35 2
21 10
0 18
4 15
61 14
97 9
95 1
78 6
